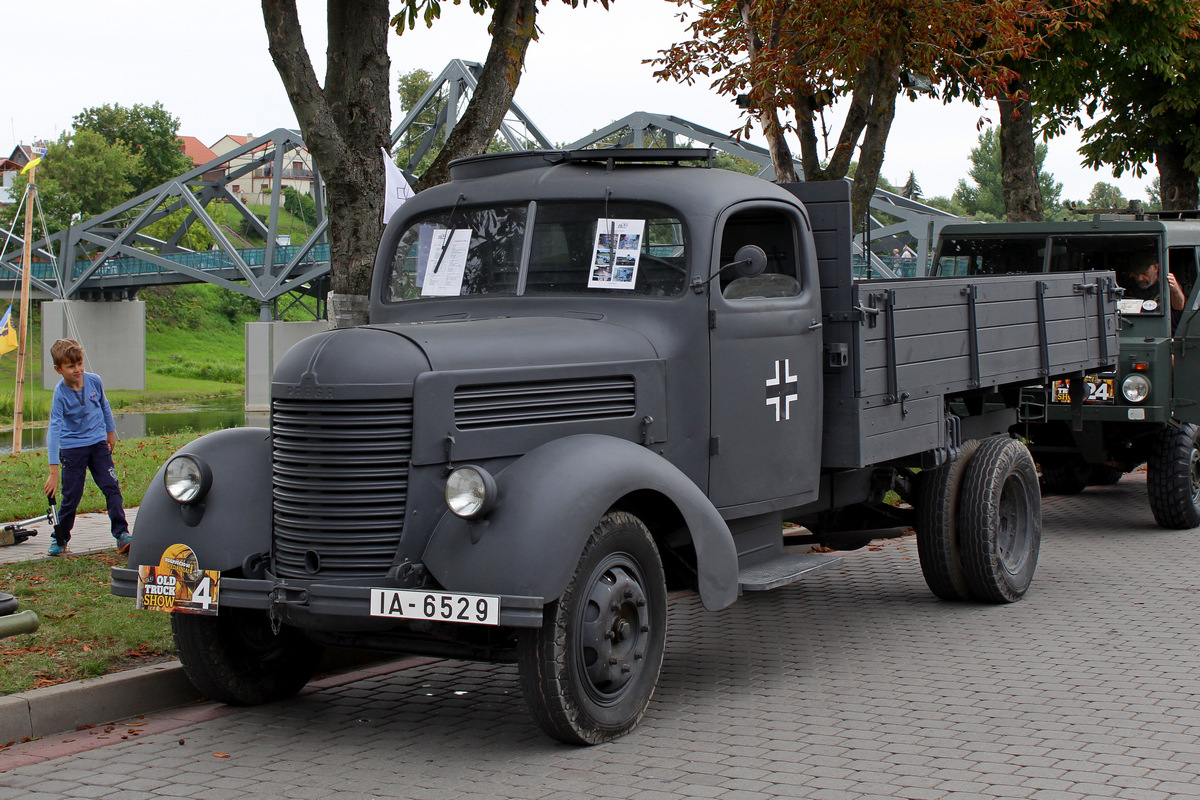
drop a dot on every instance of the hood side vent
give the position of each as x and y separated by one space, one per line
507 405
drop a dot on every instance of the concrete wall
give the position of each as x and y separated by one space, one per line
113 335
266 342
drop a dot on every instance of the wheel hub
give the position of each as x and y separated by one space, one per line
615 631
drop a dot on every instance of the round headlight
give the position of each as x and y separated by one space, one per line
470 492
187 479
1136 388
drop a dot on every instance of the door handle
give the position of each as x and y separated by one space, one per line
816 324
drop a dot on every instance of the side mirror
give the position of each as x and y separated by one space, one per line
749 261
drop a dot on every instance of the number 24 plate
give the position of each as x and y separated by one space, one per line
438 606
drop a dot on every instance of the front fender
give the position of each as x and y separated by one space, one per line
232 521
548 502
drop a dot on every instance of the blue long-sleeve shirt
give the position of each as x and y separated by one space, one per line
78 418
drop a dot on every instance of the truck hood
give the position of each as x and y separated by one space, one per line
374 360
521 342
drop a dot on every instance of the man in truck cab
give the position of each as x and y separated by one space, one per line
1141 282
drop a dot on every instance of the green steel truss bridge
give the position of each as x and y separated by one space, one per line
113 255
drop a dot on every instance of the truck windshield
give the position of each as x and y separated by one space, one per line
588 247
1134 258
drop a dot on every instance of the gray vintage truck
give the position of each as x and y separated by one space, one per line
1145 409
590 378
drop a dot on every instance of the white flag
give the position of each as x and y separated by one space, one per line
398 189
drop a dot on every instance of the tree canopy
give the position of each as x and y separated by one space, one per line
81 174
1131 71
148 131
803 55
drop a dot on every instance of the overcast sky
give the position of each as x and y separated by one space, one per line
207 62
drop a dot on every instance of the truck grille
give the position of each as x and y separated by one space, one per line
536 403
340 485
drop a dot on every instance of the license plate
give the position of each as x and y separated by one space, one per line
437 606
1097 390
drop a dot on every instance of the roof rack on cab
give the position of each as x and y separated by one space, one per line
500 163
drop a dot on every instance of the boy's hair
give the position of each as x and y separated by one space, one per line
66 351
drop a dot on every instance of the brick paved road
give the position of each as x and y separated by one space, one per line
855 683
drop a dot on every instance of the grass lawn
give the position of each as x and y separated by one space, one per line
85 631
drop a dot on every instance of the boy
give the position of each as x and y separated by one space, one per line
81 424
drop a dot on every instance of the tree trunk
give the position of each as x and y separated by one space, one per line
1177 184
1018 158
869 117
512 28
768 118
344 126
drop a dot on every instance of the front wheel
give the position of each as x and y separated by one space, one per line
1173 477
588 673
1000 520
236 658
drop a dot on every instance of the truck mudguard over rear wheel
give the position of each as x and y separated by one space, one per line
937 526
588 673
1000 520
1173 477
235 658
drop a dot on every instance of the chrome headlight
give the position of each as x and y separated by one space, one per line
1136 388
187 479
470 492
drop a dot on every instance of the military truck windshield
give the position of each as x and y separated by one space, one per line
990 256
1133 258
614 248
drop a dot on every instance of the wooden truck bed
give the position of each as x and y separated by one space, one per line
897 350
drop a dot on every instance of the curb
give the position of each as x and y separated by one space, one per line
69 706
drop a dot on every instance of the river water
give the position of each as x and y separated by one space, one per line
202 417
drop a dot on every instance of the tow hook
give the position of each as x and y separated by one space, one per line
284 596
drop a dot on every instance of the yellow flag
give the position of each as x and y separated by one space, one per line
30 165
8 334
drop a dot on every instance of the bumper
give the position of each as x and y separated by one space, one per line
324 600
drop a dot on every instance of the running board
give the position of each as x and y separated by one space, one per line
782 570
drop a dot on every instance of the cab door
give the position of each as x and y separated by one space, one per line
765 344
1185 393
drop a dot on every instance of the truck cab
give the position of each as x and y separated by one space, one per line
1144 410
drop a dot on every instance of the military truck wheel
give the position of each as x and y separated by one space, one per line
937 527
1070 477
1105 475
1000 520
235 658
588 673
1173 477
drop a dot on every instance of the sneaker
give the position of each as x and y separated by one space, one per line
123 542
57 549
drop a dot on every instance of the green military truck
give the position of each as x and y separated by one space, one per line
1143 412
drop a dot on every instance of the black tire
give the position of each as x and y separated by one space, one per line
235 658
589 672
1173 478
8 604
937 527
1000 521
1071 477
1105 475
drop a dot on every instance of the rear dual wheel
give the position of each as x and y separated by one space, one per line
979 523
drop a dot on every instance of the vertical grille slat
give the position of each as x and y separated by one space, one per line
340 478
541 402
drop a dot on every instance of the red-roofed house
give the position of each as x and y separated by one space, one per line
255 187
200 155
